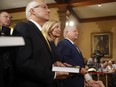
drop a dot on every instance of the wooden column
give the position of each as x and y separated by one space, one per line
62 16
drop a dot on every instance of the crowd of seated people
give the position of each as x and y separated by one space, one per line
102 66
106 67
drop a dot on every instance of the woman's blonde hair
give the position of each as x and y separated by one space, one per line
48 27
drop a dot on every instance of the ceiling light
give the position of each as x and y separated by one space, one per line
69 23
99 5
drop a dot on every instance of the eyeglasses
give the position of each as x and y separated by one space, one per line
42 6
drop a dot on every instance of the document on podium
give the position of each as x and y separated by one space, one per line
66 69
6 41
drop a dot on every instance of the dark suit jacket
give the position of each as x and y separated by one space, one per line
71 55
55 53
33 62
56 57
5 30
4 59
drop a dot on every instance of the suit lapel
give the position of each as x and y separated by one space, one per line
79 54
72 46
39 34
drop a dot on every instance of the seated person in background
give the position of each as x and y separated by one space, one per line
92 61
114 65
104 65
89 82
109 67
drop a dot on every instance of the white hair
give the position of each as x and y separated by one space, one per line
66 29
30 5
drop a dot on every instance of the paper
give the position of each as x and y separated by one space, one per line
66 69
11 41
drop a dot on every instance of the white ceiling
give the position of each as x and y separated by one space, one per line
92 11
107 9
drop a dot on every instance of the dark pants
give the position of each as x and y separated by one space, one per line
5 71
57 83
114 79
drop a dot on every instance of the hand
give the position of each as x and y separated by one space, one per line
94 83
62 75
83 71
58 63
67 65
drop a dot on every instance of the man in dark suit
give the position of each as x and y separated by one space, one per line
72 55
5 20
32 63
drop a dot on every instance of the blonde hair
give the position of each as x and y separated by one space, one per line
48 27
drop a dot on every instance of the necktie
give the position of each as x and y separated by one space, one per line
77 48
46 40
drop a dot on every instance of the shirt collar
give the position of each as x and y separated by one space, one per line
70 40
39 27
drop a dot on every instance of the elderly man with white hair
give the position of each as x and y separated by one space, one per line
32 63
